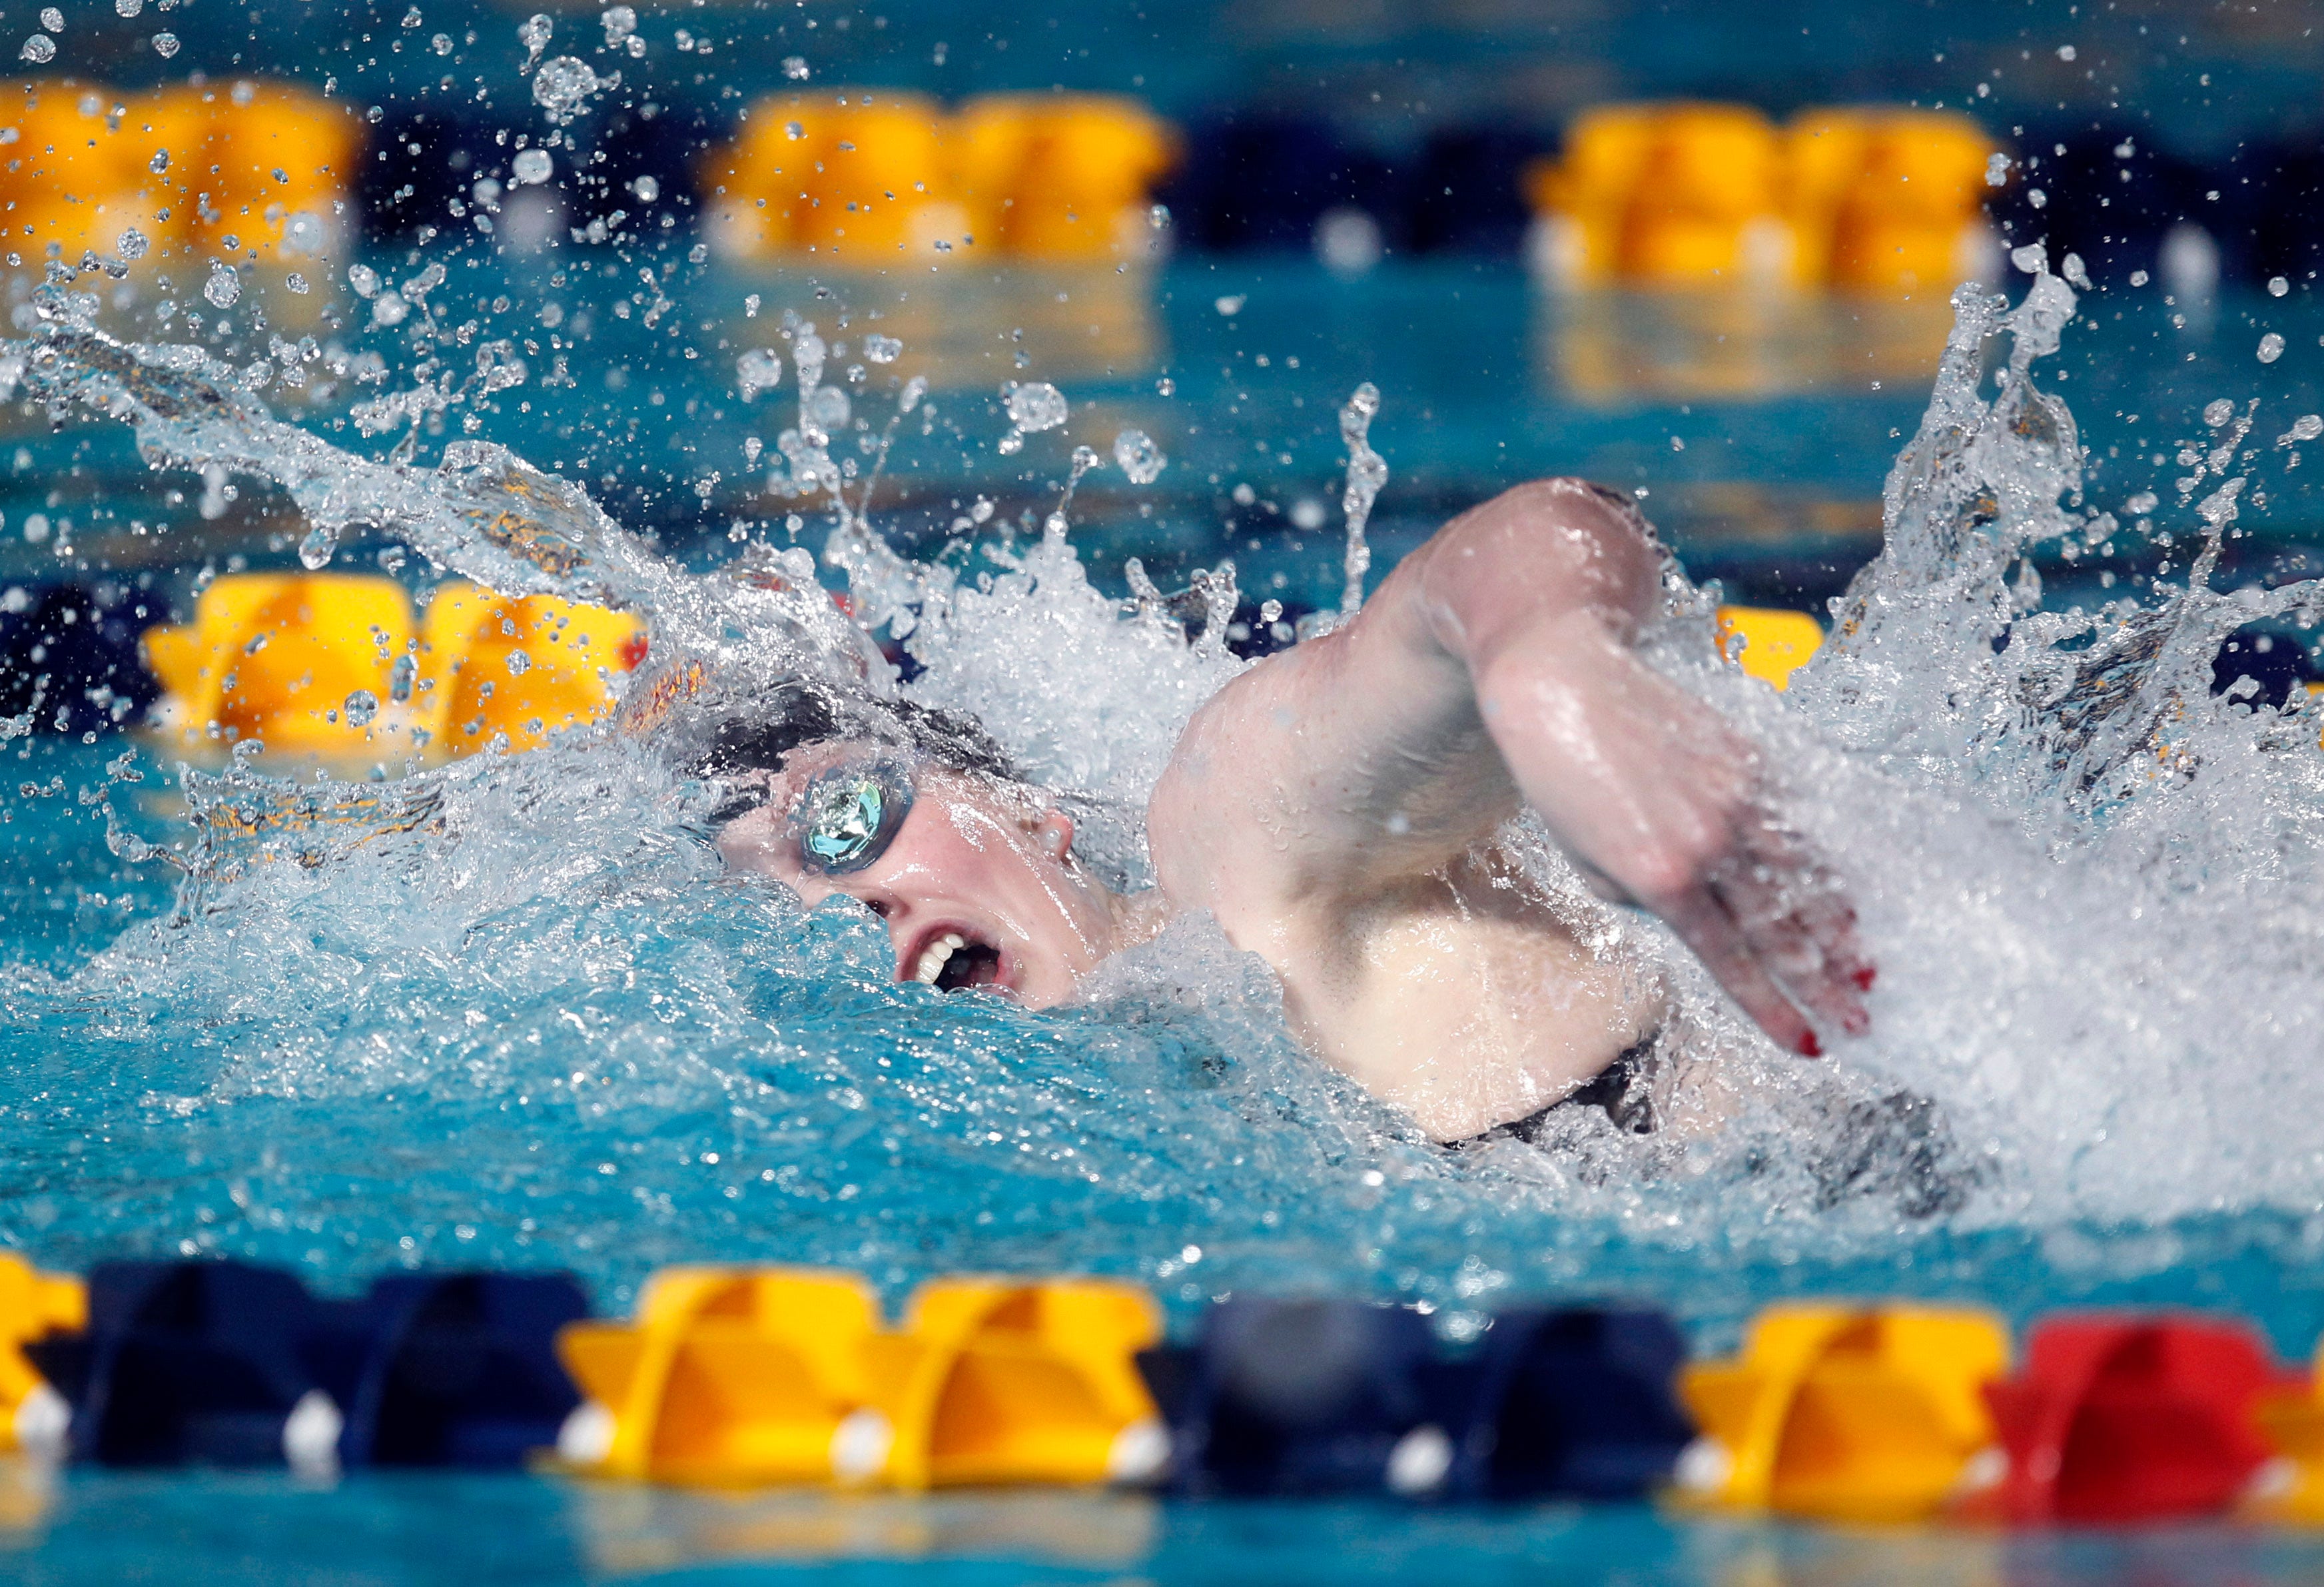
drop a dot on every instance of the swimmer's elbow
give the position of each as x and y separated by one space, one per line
1536 549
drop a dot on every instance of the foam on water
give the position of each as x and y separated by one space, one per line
513 1010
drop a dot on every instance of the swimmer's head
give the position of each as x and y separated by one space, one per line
918 815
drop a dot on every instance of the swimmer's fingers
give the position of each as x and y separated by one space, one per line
1708 925
1801 928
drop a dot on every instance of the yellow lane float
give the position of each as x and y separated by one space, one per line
1846 1414
857 175
257 171
1668 195
332 665
1767 641
1886 199
863 176
1061 177
232 171
773 1376
71 179
2290 1486
729 1377
32 1304
995 1380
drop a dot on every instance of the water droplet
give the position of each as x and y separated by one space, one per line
159 162
441 43
2306 428
2277 286
316 550
881 349
2065 52
2217 411
619 23
2271 347
533 166
165 45
365 280
1140 460
646 188
829 408
360 706
1997 171
1159 217
298 284
53 19
131 244
1232 303
128 7
224 285
389 308
794 131
519 663
794 68
1037 406
39 49
534 33
562 85
914 390
756 371
399 679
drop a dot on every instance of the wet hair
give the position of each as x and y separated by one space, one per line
799 717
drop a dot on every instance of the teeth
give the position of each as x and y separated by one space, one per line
936 956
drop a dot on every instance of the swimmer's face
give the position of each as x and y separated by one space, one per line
977 882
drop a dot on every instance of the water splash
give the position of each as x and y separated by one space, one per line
1367 472
2086 879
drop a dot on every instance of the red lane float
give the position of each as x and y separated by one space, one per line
2118 1419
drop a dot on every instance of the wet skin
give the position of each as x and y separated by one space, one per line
1334 809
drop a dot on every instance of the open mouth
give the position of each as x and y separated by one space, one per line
953 961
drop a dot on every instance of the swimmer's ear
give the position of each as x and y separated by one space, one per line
1055 832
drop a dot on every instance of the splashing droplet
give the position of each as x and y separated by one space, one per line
533 167
315 551
563 86
1367 472
131 244
360 706
758 370
165 45
222 287
2271 347
39 49
794 68
127 7
534 33
881 349
1140 460
1037 406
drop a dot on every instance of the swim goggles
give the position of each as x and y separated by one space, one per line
847 816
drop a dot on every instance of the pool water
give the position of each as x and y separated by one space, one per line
556 1034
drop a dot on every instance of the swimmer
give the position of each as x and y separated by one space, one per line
1335 807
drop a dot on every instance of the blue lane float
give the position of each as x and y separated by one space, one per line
231 1364
1295 1397
1570 1403
449 1370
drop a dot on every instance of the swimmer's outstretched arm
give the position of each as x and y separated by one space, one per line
1494 665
